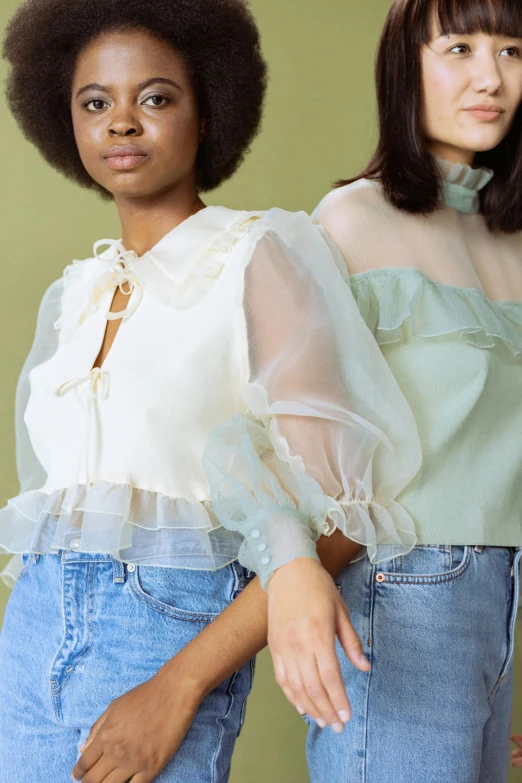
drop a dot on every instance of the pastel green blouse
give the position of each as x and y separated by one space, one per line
442 297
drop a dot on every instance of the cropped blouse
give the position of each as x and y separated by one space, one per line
442 296
243 409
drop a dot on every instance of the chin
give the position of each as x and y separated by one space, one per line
482 141
130 189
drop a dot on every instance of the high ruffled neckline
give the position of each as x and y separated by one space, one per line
462 185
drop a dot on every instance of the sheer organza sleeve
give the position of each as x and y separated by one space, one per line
31 474
327 440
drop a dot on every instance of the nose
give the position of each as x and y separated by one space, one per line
124 124
487 78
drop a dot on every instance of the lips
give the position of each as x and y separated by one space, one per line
484 111
125 157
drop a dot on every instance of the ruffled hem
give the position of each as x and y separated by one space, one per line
133 525
397 303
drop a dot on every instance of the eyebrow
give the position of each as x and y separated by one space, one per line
142 86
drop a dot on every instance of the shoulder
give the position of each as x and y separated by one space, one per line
295 248
294 230
357 205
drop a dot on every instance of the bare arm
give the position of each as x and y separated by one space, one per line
240 632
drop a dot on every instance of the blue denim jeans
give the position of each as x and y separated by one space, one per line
81 630
438 627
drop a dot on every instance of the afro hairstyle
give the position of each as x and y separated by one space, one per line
217 39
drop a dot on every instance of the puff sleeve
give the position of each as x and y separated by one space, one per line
31 475
327 439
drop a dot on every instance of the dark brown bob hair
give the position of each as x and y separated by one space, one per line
402 162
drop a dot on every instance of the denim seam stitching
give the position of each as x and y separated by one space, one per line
87 648
220 721
514 589
242 713
423 579
159 606
368 684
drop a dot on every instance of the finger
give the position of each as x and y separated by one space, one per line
316 692
350 641
87 761
332 680
122 776
299 693
297 697
92 734
517 739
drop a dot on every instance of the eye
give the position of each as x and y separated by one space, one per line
461 48
95 104
156 100
510 51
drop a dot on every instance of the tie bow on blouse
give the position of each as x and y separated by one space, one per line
118 274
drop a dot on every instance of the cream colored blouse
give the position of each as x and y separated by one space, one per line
243 410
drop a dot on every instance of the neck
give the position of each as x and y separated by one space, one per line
144 221
451 154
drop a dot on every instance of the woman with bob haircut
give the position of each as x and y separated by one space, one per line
191 412
431 233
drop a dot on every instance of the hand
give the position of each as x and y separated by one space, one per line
516 756
305 614
139 732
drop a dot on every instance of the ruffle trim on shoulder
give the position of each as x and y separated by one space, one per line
198 277
78 298
133 525
398 303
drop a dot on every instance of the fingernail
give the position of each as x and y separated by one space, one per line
344 716
299 709
364 660
337 727
321 723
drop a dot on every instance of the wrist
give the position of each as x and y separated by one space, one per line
294 570
185 676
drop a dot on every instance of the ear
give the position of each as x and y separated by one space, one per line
202 130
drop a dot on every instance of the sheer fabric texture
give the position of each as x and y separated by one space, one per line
232 358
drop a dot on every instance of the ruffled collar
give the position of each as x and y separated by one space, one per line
179 270
177 252
462 185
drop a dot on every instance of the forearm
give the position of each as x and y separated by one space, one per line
240 632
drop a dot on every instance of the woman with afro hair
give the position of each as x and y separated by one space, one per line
191 414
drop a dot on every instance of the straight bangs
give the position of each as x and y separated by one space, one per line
467 17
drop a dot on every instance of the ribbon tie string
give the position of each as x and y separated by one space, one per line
120 273
97 385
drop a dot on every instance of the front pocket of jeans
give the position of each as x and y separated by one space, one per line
436 572
194 596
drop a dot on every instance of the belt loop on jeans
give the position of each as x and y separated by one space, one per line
118 571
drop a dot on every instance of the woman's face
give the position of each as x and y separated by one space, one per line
472 88
135 115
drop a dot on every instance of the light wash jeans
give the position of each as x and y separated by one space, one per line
438 627
81 630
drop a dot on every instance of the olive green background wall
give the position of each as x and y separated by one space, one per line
319 125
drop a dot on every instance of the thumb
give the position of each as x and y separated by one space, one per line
350 642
